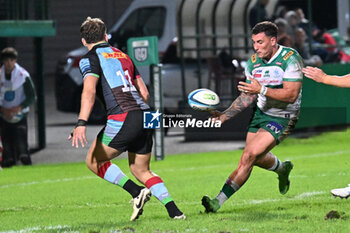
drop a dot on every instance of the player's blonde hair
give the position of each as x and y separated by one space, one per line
93 30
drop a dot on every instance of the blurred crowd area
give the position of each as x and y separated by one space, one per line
316 44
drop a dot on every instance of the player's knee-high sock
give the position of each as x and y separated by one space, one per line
277 166
158 189
229 188
114 175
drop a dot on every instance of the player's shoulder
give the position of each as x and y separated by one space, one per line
288 53
253 62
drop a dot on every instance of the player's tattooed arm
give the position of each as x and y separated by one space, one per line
241 103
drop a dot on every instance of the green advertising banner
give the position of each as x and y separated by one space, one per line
143 50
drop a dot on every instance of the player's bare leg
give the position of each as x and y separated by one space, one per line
98 161
255 153
140 167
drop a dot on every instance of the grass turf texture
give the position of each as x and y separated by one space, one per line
69 198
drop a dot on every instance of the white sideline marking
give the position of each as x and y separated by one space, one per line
181 169
242 203
46 182
251 202
335 153
31 229
298 197
309 194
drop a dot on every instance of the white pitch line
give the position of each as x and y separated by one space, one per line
233 203
46 182
35 229
318 155
261 201
311 156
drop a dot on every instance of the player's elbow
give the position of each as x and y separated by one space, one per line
291 99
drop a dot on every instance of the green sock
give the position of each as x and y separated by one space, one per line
229 188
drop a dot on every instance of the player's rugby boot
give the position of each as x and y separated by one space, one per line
139 202
210 205
182 216
342 193
284 177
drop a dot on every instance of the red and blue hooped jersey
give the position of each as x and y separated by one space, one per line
116 73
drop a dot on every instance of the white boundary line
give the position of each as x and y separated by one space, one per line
243 203
311 156
47 182
36 229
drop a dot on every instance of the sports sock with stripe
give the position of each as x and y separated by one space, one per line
158 189
229 188
277 166
112 173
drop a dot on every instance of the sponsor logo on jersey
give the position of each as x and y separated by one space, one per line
290 53
257 73
267 73
114 55
257 65
254 58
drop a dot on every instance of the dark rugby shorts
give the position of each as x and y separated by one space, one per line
125 132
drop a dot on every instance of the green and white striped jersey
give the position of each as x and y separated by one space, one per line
284 66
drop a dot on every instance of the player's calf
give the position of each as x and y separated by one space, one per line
213 205
158 189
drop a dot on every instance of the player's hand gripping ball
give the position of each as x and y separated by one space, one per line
203 100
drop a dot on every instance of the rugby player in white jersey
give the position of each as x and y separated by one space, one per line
273 87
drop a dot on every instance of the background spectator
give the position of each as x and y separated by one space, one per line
283 38
305 24
258 13
292 23
16 95
303 49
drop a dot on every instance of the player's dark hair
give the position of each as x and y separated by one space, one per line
270 29
9 52
93 30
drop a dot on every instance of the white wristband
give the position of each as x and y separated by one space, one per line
263 90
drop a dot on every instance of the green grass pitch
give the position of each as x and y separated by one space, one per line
69 198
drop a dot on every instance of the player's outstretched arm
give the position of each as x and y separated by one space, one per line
319 76
238 105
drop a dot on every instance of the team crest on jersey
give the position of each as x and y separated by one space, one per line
276 74
114 55
254 57
290 53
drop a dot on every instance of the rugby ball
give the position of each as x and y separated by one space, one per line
203 100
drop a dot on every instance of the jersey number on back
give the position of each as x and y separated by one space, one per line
126 78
